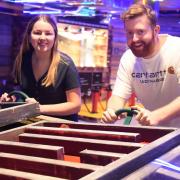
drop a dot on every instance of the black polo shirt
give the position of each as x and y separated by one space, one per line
67 78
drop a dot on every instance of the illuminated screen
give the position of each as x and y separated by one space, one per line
87 46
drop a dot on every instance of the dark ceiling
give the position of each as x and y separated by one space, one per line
83 7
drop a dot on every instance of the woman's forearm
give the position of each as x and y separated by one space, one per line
60 109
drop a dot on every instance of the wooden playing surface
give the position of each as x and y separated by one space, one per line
15 112
53 148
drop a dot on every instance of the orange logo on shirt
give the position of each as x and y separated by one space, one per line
171 70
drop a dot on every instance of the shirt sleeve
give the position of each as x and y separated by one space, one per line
123 83
67 74
178 71
72 77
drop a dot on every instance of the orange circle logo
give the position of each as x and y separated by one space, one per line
171 70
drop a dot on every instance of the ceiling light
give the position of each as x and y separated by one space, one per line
42 12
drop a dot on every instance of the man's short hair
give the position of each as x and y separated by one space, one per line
136 10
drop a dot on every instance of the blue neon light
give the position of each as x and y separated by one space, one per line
82 11
42 12
33 1
166 164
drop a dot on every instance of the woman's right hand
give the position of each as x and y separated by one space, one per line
6 98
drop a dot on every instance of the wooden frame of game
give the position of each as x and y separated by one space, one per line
60 149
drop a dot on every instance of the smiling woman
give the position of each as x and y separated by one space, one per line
42 36
45 74
42 39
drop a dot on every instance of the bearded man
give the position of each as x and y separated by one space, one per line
150 68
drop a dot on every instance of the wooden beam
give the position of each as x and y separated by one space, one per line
95 134
6 174
4 71
45 166
148 133
17 7
18 113
29 149
72 146
137 159
99 157
13 134
149 170
11 8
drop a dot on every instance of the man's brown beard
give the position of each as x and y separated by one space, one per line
146 50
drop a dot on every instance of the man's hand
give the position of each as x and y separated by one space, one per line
146 117
109 116
114 103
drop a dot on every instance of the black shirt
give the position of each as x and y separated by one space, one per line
67 78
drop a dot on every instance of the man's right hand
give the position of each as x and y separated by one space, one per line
114 103
109 116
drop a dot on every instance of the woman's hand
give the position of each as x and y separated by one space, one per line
6 98
30 100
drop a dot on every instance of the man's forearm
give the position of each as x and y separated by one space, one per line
169 111
116 102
